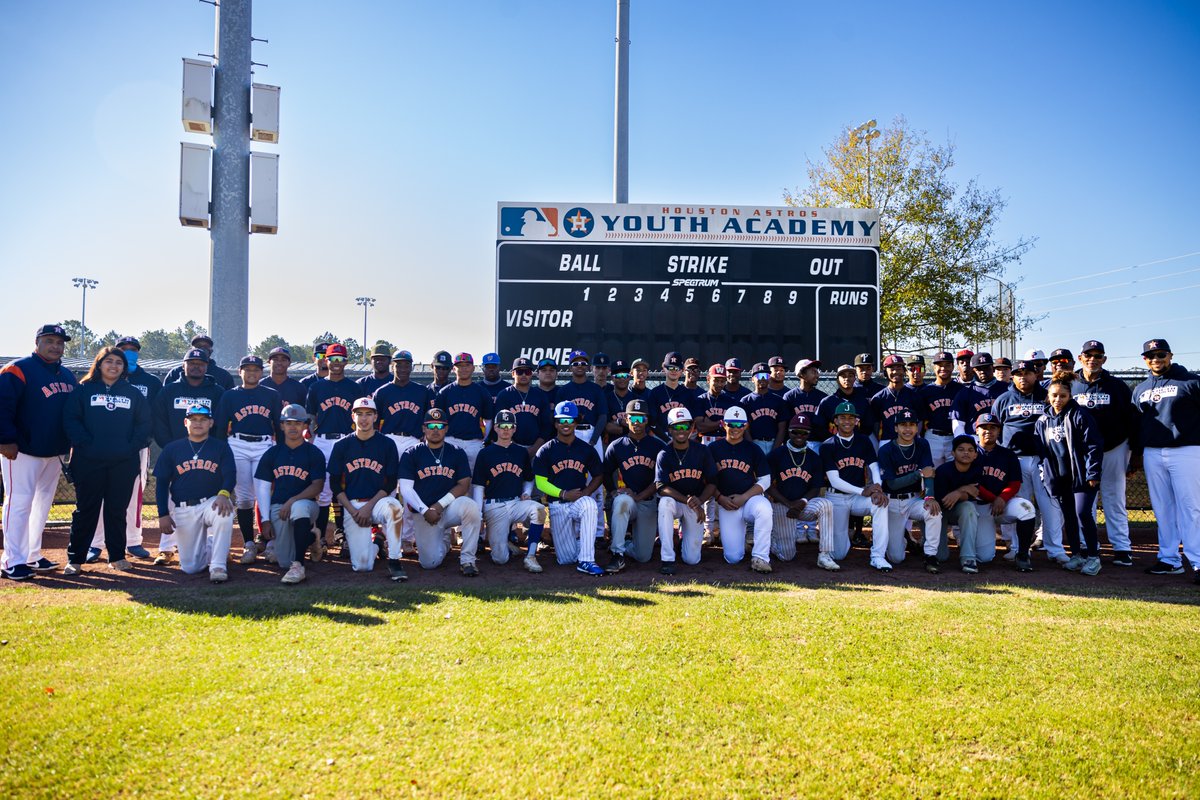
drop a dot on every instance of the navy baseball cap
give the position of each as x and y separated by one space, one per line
320 348
943 358
196 354
637 407
491 358
442 359
198 411
619 367
915 361
435 415
864 360
905 415
733 363
1062 354
402 355
201 337
1025 366
293 412
506 417
1004 361
566 409
52 330
982 360
988 419
131 341
1092 344
548 362
775 361
672 360
522 363
280 351
250 361
962 438
576 355
802 421
1151 345
601 360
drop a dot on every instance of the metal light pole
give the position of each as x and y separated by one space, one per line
621 143
365 302
867 132
85 284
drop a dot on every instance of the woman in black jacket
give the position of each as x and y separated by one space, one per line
108 422
1072 451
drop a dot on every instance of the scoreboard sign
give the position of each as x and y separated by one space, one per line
712 282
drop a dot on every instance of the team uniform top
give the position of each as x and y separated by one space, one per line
248 412
145 383
307 381
713 409
1110 401
1170 409
371 384
975 398
852 462
1000 474
947 479
220 375
567 466
532 409
900 467
781 391
401 408
662 399
330 402
795 474
592 404
434 388
616 404
871 387
494 389
361 468
290 470
187 473
33 393
887 403
1018 413
738 392
765 412
107 422
861 401
938 400
290 391
174 401
630 464
687 474
433 474
503 471
806 402
739 466
466 408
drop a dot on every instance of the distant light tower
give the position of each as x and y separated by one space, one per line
867 132
365 302
85 284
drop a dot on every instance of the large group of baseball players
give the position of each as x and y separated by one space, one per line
982 448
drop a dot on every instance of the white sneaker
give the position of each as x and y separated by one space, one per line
295 573
825 561
269 552
531 563
248 553
72 569
760 565
217 574
881 564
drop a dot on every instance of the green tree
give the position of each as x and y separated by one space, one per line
940 260
268 344
110 339
83 339
156 344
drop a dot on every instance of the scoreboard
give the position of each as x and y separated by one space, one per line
638 281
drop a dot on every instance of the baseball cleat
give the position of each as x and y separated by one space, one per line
1091 566
72 569
589 568
295 573
1163 568
137 551
514 550
121 565
825 561
269 552
217 574
396 570
760 565
1122 559
93 555
881 564
932 566
42 565
469 569
970 567
531 563
859 540
163 558
248 553
615 565
667 568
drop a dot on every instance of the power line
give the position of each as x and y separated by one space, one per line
1112 271
1142 324
1131 297
1116 285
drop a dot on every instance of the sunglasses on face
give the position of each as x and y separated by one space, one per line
622 375
1090 356
735 425
798 431
565 420
1157 354
681 426
335 359
435 426
522 372
673 369
505 426
637 419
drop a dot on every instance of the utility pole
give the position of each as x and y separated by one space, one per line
621 144
85 284
365 302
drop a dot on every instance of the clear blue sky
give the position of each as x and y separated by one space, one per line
403 124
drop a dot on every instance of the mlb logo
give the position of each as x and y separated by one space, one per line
529 221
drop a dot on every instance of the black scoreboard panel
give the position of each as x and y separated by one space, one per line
709 301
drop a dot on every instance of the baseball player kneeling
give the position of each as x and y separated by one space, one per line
502 487
796 480
434 481
999 501
684 473
568 471
289 477
906 467
198 474
852 470
741 480
362 470
629 466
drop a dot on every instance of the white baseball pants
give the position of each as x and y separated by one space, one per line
939 447
29 486
1173 477
756 511
1112 496
844 505
202 536
783 528
246 456
403 445
433 541
573 527
386 515
326 495
912 508
691 531
634 526
472 447
499 517
1019 508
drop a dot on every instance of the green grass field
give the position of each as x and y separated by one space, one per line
689 690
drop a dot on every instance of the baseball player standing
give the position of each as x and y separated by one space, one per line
778 371
568 471
329 404
547 372
796 481
848 392
938 398
712 404
855 485
248 417
888 403
742 478
669 394
1169 402
442 364
685 476
287 481
629 464
767 412
733 379
640 370
381 372
976 397
195 477
806 399
291 391
502 487
916 372
864 373
529 405
363 470
435 481
491 375
906 470
691 375
468 408
321 370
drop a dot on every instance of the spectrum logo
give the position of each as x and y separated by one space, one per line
529 221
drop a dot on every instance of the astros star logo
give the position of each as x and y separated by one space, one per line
578 222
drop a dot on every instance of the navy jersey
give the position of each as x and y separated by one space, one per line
629 463
187 471
567 466
862 404
635 393
795 474
686 473
107 422
290 470
363 467
172 405
494 389
33 394
250 412
1110 401
998 467
593 407
739 465
220 375
1170 409
947 478
871 387
714 408
291 391
402 408
146 383
974 399
765 412
502 471
662 399
329 402
434 472
887 403
532 409
1018 413
780 391
800 401
466 408
737 392
616 404
938 400
851 461
900 467
371 384
308 380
